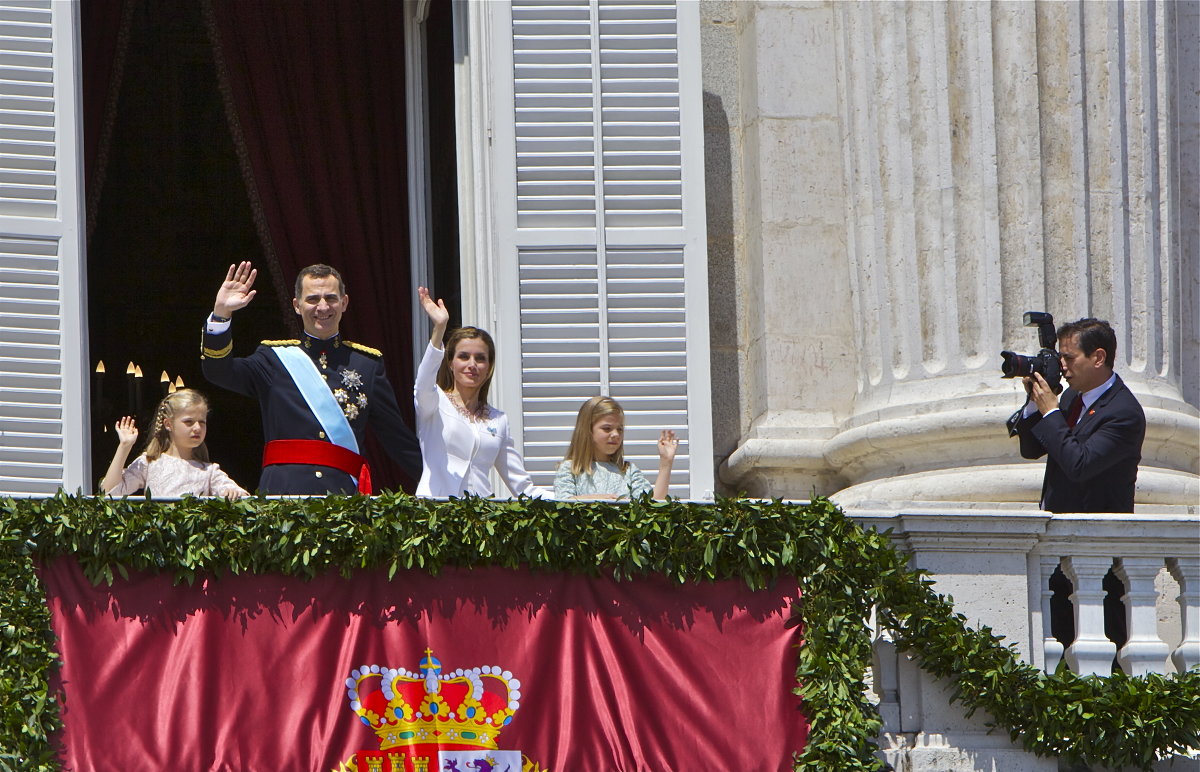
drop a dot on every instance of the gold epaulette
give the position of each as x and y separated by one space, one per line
281 343
364 349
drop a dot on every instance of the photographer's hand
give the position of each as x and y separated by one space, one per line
1041 394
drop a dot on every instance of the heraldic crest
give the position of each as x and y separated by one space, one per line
428 721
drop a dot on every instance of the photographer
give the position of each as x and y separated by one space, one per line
1092 436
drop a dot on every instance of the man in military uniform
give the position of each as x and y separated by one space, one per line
317 394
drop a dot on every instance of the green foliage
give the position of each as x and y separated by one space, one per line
844 571
28 710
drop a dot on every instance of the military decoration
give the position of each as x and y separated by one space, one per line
351 397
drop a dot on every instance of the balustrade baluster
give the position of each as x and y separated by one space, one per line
887 682
1051 646
1187 572
1144 652
1092 652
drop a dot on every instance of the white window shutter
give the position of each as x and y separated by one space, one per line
44 421
598 204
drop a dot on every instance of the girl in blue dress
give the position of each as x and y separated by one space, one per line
595 466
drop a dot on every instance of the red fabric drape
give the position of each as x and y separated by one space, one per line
316 93
250 672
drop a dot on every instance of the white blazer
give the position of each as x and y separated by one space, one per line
457 454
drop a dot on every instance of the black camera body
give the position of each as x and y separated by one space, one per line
1046 361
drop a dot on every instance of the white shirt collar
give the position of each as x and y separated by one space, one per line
1090 396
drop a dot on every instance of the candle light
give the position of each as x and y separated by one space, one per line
137 379
98 393
179 381
164 381
131 399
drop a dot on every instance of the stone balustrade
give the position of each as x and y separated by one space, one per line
1097 591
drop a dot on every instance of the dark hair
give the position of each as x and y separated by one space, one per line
318 271
1093 334
445 377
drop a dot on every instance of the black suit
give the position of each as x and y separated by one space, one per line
1092 467
365 395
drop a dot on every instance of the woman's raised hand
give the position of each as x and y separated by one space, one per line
434 309
127 432
235 291
437 313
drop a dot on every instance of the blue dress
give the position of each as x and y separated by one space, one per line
604 478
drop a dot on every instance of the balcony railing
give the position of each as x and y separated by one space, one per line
1094 592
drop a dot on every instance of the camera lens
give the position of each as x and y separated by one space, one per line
1015 365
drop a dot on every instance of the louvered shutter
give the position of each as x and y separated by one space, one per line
43 421
600 277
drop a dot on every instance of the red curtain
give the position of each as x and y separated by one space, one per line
255 672
315 95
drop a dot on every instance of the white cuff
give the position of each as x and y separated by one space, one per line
216 328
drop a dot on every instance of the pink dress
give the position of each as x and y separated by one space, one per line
171 477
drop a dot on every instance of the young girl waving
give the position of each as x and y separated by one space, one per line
175 462
595 466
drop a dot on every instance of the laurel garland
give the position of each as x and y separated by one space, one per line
844 571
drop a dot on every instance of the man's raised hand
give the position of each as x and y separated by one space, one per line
235 292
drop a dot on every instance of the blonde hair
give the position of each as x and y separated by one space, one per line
160 436
582 451
445 376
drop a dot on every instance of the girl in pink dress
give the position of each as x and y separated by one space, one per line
175 462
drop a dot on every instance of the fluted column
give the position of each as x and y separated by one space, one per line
1000 158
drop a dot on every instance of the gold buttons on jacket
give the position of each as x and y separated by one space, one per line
318 473
321 435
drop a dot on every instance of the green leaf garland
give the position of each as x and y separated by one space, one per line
845 571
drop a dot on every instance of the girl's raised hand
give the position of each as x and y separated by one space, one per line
127 432
668 443
435 310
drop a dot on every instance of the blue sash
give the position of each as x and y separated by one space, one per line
318 396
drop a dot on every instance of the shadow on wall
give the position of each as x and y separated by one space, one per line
722 282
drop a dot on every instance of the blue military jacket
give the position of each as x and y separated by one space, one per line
356 376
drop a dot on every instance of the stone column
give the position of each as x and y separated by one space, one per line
1001 158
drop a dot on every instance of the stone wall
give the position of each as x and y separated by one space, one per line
891 185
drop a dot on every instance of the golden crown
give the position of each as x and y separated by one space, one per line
463 709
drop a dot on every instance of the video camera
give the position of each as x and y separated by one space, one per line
1046 361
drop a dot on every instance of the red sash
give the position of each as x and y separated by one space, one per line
320 453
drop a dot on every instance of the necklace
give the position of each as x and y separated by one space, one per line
477 414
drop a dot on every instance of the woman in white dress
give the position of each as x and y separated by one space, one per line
462 437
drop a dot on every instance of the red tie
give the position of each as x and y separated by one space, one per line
1076 409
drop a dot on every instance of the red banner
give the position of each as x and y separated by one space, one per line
463 671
